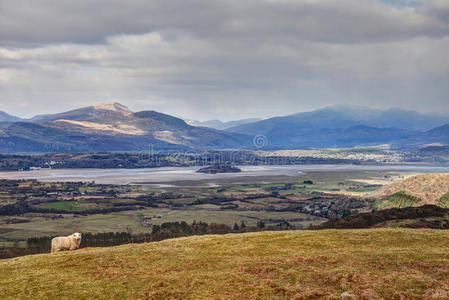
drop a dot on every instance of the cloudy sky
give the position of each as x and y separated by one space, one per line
204 59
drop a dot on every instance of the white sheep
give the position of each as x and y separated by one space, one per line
62 243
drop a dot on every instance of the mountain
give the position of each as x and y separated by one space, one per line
294 138
219 125
114 127
392 118
345 116
111 127
5 117
216 124
436 137
328 264
410 120
109 110
347 126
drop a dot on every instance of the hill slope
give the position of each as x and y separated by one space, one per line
384 263
429 188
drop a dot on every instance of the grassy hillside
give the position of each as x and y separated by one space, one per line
396 200
444 201
427 216
429 188
370 264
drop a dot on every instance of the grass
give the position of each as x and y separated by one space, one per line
112 222
444 201
131 220
397 200
228 217
367 264
71 205
21 244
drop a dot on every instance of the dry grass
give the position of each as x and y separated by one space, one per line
429 187
368 264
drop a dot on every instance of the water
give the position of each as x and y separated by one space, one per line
166 175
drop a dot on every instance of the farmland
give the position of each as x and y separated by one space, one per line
31 208
35 208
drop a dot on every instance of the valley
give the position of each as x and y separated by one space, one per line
135 201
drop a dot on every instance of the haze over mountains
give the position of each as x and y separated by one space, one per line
114 127
217 124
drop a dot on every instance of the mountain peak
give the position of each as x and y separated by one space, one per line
114 106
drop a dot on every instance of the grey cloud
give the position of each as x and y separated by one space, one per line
31 22
225 59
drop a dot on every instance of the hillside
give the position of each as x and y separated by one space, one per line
429 188
427 216
383 264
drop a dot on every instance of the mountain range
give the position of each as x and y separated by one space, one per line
114 127
350 126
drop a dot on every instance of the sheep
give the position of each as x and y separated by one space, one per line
61 243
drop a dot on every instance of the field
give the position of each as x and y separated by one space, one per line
131 221
362 264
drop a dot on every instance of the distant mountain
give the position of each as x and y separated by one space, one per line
345 116
219 125
216 124
346 126
37 117
404 119
109 110
435 137
5 117
112 127
241 122
360 135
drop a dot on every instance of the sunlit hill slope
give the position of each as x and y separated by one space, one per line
362 264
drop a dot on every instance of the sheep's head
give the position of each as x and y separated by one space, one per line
77 236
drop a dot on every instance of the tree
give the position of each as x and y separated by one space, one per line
242 226
236 227
261 224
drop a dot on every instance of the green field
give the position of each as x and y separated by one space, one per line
132 221
71 205
364 264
